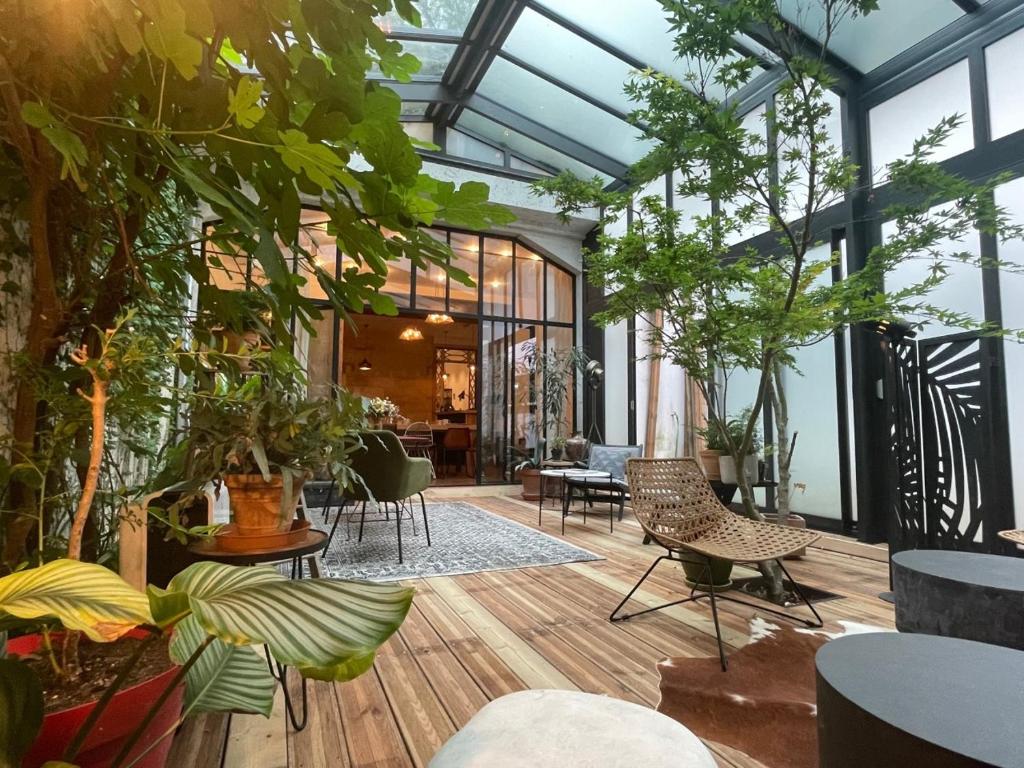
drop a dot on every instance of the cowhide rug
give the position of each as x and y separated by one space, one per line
765 705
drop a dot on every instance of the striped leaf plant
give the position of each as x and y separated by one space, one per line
217 617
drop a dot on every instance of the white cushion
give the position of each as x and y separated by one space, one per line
567 729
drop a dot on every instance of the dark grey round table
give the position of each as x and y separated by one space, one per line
960 594
891 700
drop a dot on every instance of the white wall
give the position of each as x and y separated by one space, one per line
1011 286
616 384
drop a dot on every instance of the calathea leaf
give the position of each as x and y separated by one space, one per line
83 596
327 629
225 677
21 711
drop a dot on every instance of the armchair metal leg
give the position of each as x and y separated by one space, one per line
426 525
362 519
330 536
398 519
636 586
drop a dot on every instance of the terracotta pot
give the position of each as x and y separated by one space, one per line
709 458
721 571
795 521
116 724
531 483
256 504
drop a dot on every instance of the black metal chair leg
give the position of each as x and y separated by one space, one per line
714 614
612 616
398 517
426 525
337 520
362 519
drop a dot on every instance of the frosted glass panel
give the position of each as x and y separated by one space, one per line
449 16
1011 197
463 145
797 198
434 58
897 123
533 97
573 60
754 125
616 385
868 41
814 415
1004 61
526 146
639 28
689 207
960 291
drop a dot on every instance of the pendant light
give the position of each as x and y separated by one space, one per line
440 318
364 365
411 333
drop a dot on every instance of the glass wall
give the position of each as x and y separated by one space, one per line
524 303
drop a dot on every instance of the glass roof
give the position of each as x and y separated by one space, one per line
443 16
545 78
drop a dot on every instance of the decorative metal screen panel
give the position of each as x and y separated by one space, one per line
961 480
906 514
948 481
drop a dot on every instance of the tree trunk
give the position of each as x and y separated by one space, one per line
785 445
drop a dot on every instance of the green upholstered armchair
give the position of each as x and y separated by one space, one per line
389 476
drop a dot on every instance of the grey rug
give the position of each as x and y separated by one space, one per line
464 539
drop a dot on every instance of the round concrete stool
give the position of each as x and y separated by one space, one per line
960 594
889 700
566 729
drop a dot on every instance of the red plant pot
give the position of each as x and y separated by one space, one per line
124 713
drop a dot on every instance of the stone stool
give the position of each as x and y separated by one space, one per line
960 594
567 729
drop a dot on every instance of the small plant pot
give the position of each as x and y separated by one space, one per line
721 573
122 716
727 469
256 504
709 459
531 483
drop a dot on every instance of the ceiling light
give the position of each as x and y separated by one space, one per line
364 365
439 318
412 333
439 277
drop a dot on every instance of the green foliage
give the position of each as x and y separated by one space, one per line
21 711
729 309
218 613
120 120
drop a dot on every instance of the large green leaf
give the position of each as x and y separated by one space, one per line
327 629
21 711
83 596
225 678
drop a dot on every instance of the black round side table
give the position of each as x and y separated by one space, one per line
960 594
314 541
893 700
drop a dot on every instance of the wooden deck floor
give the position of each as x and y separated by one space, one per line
469 639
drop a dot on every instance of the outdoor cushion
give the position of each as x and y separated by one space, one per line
612 458
569 729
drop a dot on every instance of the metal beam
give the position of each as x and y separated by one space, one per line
545 135
969 6
992 21
491 23
418 91
424 36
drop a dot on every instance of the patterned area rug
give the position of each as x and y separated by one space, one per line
463 537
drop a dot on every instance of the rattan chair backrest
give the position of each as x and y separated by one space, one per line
672 499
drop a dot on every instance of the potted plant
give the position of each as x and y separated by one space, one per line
715 446
81 621
558 443
528 471
262 439
736 428
380 411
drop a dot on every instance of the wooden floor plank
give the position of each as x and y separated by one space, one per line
472 638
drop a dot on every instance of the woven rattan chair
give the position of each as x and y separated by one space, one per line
1013 536
676 506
